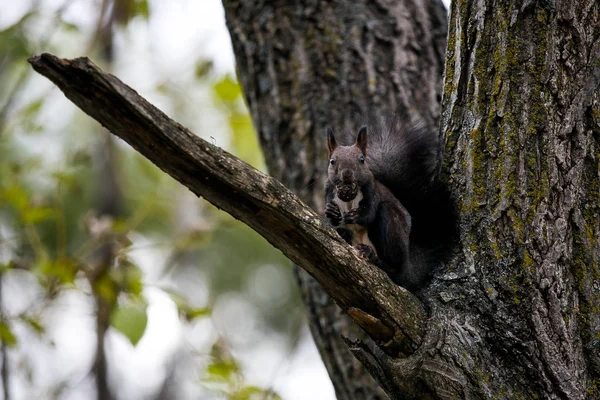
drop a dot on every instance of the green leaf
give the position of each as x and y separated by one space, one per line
131 320
248 392
13 41
38 214
128 278
227 89
203 68
141 8
64 270
191 314
245 140
185 310
69 27
135 284
32 108
16 196
6 335
106 287
63 177
254 393
222 370
33 323
194 240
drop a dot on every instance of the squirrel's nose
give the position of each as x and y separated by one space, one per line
347 176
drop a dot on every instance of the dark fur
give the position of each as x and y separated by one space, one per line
406 211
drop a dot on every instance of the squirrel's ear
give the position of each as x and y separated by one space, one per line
331 145
361 139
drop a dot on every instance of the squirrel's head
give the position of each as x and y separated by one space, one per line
348 170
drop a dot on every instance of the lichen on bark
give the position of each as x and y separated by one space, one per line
523 148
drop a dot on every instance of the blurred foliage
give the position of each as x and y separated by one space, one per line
229 97
130 320
50 228
223 375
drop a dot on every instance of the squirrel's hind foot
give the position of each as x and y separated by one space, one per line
367 253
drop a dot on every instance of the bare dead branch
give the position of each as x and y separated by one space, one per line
390 314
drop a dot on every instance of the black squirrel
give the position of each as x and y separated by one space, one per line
385 199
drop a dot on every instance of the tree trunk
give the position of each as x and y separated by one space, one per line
515 315
521 119
311 64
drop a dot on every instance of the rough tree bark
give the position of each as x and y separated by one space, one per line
522 122
305 65
516 314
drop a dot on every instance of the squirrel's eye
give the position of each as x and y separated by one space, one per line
332 161
361 159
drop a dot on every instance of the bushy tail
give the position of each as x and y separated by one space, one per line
405 157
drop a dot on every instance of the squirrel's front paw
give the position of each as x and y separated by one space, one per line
333 214
367 253
350 217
